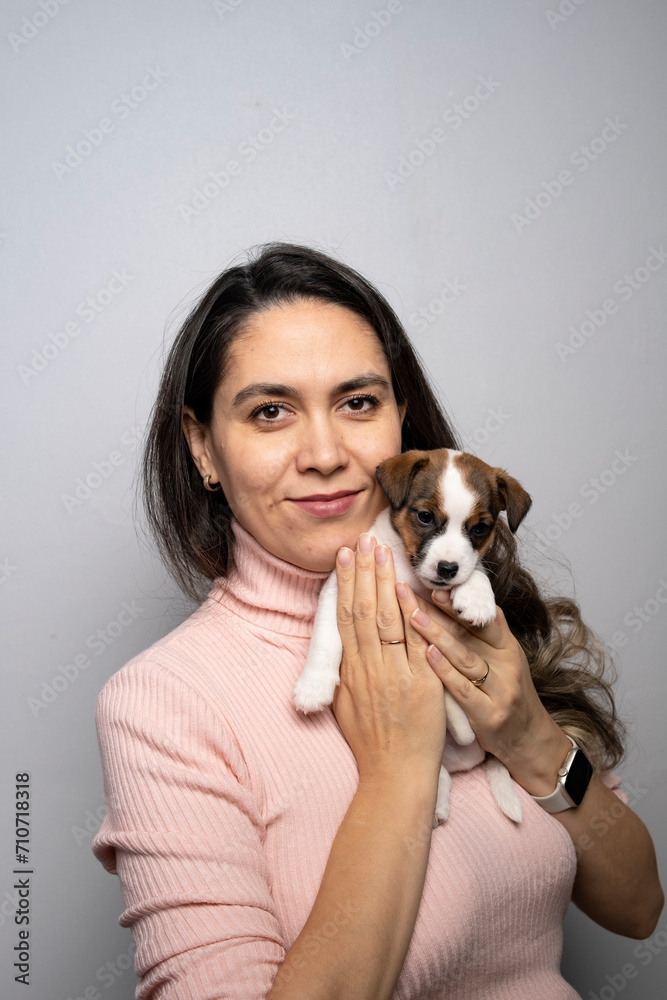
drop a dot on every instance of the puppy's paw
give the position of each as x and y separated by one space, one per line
441 813
311 694
475 604
442 800
503 788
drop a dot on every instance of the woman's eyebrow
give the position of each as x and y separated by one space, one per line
278 389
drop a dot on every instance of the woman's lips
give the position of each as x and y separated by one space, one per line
328 508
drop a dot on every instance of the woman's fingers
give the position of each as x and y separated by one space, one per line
442 619
494 634
446 652
414 643
367 609
364 604
505 710
376 579
389 618
345 576
469 637
389 704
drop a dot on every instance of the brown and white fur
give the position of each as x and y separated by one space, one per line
443 509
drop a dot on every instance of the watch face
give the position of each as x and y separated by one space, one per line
578 777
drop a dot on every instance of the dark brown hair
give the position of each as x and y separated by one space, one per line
192 526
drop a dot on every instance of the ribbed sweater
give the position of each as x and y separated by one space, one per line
222 803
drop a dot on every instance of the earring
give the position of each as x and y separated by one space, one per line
211 489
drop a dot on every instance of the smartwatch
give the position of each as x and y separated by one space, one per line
573 779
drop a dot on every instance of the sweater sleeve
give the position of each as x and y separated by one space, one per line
184 834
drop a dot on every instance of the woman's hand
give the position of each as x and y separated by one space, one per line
390 704
617 881
505 711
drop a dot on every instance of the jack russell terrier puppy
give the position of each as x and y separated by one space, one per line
443 509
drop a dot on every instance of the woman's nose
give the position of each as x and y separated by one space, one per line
321 447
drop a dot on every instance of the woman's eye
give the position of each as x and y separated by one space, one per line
425 516
354 401
267 411
270 412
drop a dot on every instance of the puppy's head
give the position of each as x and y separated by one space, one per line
445 505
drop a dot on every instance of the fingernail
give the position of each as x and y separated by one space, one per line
441 596
403 591
365 543
433 653
345 556
421 618
380 554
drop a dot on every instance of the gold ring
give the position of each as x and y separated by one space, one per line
480 680
391 642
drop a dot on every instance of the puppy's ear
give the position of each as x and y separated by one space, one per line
516 501
395 475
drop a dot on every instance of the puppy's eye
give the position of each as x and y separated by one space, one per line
479 529
425 516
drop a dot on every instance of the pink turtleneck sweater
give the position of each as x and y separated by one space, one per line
222 803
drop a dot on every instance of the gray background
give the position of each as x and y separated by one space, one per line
220 71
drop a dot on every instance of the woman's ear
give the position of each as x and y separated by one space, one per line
197 437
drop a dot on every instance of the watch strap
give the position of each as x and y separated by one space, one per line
558 800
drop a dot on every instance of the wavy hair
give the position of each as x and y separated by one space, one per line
192 527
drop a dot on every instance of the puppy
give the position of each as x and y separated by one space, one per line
443 509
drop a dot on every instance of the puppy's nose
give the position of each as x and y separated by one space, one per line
447 570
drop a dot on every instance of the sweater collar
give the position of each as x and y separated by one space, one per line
267 590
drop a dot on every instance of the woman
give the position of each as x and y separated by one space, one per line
262 852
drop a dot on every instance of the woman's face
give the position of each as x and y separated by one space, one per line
292 419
